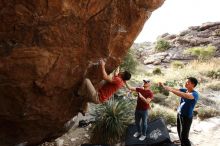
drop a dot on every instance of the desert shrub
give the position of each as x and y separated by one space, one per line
157 71
158 89
202 52
214 74
217 32
129 63
172 83
148 74
208 102
162 45
177 64
164 112
159 98
207 112
214 86
111 121
172 101
155 88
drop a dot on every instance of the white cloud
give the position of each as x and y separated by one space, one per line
178 15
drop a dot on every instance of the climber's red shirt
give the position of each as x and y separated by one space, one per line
108 89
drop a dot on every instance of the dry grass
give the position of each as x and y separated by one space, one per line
161 111
215 85
195 68
172 102
159 98
207 112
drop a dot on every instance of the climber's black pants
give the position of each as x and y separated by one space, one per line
183 128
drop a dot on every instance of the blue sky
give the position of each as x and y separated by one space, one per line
177 15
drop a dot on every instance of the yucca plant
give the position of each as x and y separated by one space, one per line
111 121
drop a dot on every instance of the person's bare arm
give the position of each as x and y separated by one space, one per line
116 71
161 84
146 100
129 87
105 76
177 92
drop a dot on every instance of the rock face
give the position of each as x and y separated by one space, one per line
47 47
194 36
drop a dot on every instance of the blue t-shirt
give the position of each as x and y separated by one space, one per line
187 105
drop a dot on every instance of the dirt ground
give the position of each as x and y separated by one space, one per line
202 133
206 133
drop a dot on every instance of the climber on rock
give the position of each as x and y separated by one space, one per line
112 83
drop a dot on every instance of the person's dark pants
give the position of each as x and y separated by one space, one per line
183 128
141 119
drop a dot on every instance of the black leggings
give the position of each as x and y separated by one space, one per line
183 128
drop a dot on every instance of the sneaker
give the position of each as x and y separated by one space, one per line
142 137
136 134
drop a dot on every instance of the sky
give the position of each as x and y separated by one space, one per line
175 16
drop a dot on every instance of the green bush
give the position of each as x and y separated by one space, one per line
162 45
207 112
157 71
111 121
173 83
129 63
164 112
177 64
155 88
158 89
202 52
214 74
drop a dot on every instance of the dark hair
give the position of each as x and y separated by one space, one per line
126 75
193 80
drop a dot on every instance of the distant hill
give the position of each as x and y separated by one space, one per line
194 36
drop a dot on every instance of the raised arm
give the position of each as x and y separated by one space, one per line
105 76
116 72
177 92
129 87
161 84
